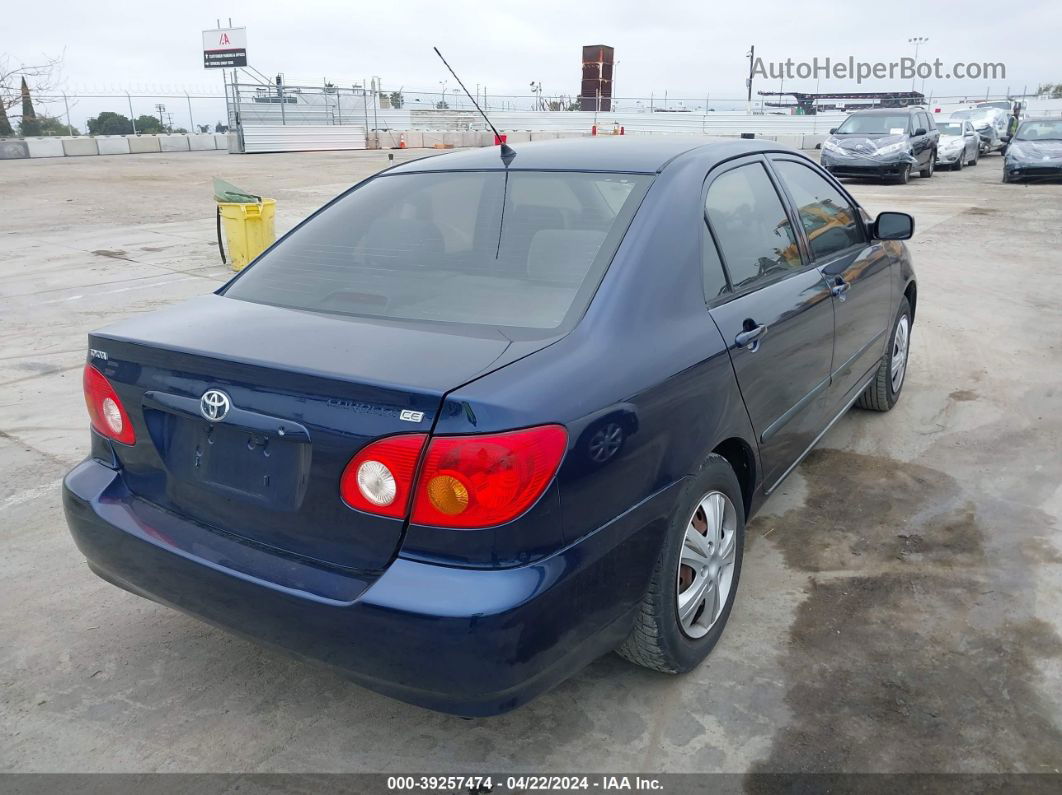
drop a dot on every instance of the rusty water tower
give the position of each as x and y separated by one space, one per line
596 90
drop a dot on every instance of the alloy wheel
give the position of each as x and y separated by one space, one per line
898 363
706 564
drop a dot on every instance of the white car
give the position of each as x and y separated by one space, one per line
959 144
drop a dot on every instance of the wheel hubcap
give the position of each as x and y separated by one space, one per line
706 564
900 343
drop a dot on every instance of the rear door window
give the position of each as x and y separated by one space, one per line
438 247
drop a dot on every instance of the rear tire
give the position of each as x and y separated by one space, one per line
884 390
927 172
977 154
663 637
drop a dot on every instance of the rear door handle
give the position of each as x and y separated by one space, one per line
750 337
840 288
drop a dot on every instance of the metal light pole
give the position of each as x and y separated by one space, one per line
917 41
751 55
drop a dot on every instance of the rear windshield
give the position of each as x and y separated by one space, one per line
520 249
875 124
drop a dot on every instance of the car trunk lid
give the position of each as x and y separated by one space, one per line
300 394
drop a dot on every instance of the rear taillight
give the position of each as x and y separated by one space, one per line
379 479
108 415
465 482
480 481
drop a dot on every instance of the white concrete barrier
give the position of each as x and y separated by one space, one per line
141 144
45 147
77 147
173 143
221 140
201 143
113 145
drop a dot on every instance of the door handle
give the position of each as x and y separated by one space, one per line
750 337
840 289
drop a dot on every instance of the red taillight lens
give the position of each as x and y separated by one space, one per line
379 479
108 415
480 481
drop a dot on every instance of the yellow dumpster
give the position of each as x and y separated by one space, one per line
249 229
248 221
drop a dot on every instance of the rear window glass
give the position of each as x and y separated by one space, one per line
523 250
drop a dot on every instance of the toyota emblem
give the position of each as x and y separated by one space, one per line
214 405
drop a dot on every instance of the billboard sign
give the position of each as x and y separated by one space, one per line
224 48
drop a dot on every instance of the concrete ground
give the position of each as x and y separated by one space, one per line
901 602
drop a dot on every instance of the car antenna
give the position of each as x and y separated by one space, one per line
507 152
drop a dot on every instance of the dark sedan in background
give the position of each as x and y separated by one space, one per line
1035 151
475 423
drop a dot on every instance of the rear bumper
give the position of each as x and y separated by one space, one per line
465 641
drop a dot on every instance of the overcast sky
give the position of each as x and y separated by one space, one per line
686 48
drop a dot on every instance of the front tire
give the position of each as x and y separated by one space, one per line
682 614
884 390
960 162
905 174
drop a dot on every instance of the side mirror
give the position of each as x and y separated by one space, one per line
892 226
920 131
833 130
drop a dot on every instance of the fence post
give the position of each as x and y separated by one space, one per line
190 119
132 120
69 127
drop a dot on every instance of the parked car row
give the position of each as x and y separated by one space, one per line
890 143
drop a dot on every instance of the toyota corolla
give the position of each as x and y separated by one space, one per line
477 422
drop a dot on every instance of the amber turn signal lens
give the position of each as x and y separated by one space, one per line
448 494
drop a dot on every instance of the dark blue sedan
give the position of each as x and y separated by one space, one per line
472 425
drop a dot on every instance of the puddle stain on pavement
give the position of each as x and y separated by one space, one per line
915 648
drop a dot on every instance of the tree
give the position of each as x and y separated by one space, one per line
108 123
49 125
148 125
18 84
397 100
29 125
221 128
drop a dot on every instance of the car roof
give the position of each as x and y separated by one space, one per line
885 111
640 154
